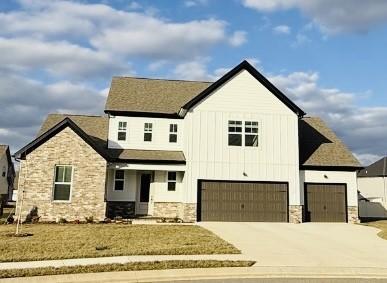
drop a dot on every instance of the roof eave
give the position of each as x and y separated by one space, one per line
350 168
142 114
66 122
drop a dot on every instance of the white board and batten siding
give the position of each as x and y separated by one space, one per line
158 189
206 146
331 177
135 133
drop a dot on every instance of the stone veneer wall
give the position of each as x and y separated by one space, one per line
184 211
295 213
353 214
88 184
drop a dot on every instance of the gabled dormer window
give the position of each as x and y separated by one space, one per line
173 133
148 132
121 135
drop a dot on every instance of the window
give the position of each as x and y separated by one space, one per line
121 131
148 132
62 184
251 133
171 181
172 132
4 171
119 180
235 133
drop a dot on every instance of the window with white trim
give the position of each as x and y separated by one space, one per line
235 133
121 135
171 179
119 180
173 133
148 132
251 133
62 183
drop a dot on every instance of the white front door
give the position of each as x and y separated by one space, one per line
143 193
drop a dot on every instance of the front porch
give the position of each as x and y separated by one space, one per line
145 190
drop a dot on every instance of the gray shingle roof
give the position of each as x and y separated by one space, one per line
319 145
151 95
376 169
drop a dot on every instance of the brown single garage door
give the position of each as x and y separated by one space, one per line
243 201
325 203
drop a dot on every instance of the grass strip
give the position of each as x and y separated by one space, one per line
57 241
132 266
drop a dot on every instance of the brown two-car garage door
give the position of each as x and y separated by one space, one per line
243 201
325 202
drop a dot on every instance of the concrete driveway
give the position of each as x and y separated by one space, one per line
307 244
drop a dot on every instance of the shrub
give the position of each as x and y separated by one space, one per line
89 219
62 220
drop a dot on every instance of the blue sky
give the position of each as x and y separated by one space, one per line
328 56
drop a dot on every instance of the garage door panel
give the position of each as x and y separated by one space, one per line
243 201
326 202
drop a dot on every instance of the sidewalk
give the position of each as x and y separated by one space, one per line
211 273
117 259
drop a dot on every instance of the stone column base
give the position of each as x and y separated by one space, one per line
183 211
295 213
353 214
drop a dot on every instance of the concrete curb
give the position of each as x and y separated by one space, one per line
212 273
117 259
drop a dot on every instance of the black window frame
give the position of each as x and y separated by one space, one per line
148 130
173 133
235 128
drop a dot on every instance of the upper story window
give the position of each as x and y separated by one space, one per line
251 133
62 183
235 133
147 132
119 180
172 132
121 136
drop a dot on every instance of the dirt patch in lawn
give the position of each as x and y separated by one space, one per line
156 265
55 241
380 224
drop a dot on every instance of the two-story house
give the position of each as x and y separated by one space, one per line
233 150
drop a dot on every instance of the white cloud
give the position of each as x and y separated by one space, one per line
331 16
116 31
58 58
356 125
29 101
238 38
195 3
282 29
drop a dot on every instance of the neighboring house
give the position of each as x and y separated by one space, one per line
372 186
234 150
7 176
15 187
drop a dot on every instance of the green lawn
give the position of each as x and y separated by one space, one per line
156 265
55 241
